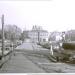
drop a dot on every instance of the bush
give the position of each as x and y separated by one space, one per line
68 46
0 57
46 46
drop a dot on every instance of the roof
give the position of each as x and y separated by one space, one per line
39 31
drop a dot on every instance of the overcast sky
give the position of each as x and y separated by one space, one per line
51 15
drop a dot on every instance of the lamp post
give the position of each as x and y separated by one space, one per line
38 31
38 36
2 20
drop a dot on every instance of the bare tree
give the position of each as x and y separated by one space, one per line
12 32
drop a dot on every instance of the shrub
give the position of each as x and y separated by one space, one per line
46 46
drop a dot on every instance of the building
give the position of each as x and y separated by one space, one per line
55 36
70 35
37 34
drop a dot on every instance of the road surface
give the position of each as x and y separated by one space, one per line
32 58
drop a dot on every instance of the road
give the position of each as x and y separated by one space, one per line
32 58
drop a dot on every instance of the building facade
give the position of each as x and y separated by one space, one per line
37 34
40 36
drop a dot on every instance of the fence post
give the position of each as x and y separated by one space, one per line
3 37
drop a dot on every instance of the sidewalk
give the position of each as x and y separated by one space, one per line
20 64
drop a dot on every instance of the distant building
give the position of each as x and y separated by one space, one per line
55 36
25 33
43 35
58 37
70 35
37 34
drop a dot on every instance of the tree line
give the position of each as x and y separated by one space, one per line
11 32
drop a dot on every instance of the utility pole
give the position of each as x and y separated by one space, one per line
2 36
63 36
38 35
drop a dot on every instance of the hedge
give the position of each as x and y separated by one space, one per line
68 46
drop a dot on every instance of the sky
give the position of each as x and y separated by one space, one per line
52 15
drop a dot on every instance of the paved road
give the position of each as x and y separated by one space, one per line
20 64
25 46
31 58
42 61
30 46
